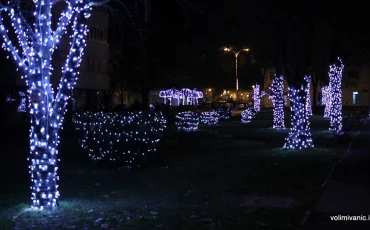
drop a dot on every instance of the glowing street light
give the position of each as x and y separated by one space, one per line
236 53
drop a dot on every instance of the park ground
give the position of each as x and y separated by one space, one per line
228 176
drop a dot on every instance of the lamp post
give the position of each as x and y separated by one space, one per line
236 53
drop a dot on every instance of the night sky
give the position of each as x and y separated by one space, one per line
185 37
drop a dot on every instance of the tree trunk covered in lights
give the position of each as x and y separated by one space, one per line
300 134
47 109
335 92
277 89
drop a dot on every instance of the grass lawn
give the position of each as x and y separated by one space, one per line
214 178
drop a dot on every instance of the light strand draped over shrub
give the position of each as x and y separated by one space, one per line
209 118
187 121
127 138
248 115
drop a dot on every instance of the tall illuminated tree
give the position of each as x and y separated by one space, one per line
277 88
335 87
32 52
308 99
257 97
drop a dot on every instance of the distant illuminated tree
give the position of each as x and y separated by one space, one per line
308 99
277 88
37 44
335 87
257 97
326 100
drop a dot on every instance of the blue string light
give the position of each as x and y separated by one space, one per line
248 115
125 138
223 113
299 136
37 44
277 88
335 87
209 118
257 98
187 121
326 101
308 98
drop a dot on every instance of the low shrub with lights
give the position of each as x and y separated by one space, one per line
223 113
127 138
248 115
187 121
209 118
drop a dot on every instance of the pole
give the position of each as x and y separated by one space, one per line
236 78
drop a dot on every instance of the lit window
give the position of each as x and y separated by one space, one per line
355 98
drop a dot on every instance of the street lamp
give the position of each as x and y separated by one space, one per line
236 53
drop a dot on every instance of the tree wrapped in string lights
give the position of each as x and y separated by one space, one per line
257 97
33 53
326 100
187 121
248 115
277 88
209 118
308 99
299 136
335 87
126 138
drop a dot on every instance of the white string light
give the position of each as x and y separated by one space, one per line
277 88
257 98
248 115
308 98
299 136
34 57
335 87
326 100
223 113
187 121
209 118
126 138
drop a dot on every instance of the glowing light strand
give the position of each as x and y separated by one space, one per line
335 87
248 115
185 96
37 44
187 121
277 88
257 97
308 98
127 138
209 118
326 100
223 113
299 136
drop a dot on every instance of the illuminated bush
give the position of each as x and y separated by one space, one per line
127 138
248 115
209 118
187 121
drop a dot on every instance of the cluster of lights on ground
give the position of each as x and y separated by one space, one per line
103 131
